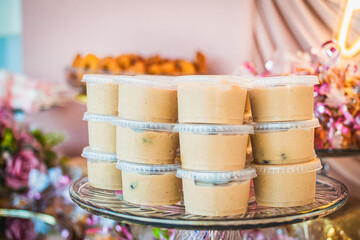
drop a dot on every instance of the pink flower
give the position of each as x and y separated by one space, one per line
19 229
6 117
18 168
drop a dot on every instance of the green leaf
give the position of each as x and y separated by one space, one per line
53 139
9 142
161 233
49 139
157 232
50 158
165 234
39 136
63 160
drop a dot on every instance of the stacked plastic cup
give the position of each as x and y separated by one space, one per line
283 143
146 144
213 143
102 101
102 172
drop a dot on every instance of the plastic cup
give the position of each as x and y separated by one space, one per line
102 134
102 171
145 142
213 147
284 142
147 98
150 184
286 185
216 193
286 98
211 99
102 94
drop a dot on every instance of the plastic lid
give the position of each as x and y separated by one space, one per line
98 78
214 129
214 79
155 81
166 127
285 80
155 77
147 168
108 157
311 166
97 118
281 126
218 176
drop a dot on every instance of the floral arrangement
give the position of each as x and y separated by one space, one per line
27 159
336 98
17 91
34 177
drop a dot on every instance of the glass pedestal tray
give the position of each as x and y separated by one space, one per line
330 196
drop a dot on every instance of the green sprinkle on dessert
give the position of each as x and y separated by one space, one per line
283 156
146 140
133 185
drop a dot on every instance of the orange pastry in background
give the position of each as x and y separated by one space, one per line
168 67
135 58
77 61
124 61
133 64
154 59
138 67
109 64
90 62
200 63
155 69
186 67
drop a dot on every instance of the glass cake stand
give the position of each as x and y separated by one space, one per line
330 196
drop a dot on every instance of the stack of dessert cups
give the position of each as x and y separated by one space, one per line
146 144
213 143
102 95
283 143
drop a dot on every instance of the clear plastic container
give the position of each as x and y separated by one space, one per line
286 185
284 142
285 98
150 184
102 94
216 193
102 134
217 99
145 142
213 147
147 98
102 171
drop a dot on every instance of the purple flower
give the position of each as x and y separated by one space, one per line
19 229
18 168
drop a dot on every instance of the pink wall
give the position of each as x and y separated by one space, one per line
54 31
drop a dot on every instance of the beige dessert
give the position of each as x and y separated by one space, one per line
211 99
213 147
286 98
102 134
286 185
102 94
247 107
284 142
146 98
215 198
146 185
104 175
148 143
102 171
